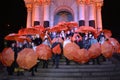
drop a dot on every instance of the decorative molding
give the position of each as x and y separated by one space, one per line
29 7
37 2
99 4
46 2
81 1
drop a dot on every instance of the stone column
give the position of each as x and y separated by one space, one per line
99 17
46 4
91 13
29 15
36 12
81 12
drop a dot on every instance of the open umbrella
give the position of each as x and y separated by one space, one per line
83 56
7 56
40 28
86 29
58 28
115 44
28 31
27 58
44 52
107 49
94 50
72 24
57 48
11 36
70 51
22 38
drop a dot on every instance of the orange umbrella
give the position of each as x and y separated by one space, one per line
107 49
27 58
58 28
28 31
83 56
57 49
22 38
86 29
94 50
72 24
44 52
21 31
70 51
7 56
40 28
115 44
11 36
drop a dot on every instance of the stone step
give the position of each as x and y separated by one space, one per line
75 70
82 78
63 62
61 78
79 75
83 66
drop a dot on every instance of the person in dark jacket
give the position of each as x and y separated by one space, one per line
37 41
86 42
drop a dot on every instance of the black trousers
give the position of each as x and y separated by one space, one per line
45 63
57 59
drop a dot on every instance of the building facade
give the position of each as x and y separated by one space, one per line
50 12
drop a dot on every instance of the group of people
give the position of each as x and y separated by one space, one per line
83 40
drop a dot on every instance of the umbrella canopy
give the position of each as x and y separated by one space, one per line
27 58
28 31
7 56
21 31
115 44
83 56
72 24
58 28
40 28
94 50
86 29
11 36
107 49
57 49
44 52
22 38
70 51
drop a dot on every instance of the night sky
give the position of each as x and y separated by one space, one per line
13 17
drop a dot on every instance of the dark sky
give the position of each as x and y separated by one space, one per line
13 12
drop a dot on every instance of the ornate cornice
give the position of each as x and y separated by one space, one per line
81 1
46 2
99 3
29 6
38 2
85 1
90 1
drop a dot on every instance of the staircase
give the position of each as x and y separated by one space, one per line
108 70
